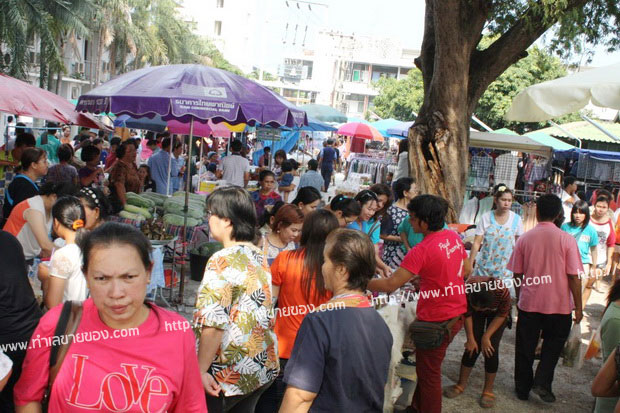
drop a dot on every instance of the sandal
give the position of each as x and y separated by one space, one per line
453 391
487 400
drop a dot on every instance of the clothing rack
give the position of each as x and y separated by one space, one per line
377 168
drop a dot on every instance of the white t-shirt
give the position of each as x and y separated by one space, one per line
66 263
234 167
5 365
25 236
567 204
485 223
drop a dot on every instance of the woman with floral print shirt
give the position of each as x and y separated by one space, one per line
234 316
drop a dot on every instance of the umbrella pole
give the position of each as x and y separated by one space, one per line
180 299
202 141
169 164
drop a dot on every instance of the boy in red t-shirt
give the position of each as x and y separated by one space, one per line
439 263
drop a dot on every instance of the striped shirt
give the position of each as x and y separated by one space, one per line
501 295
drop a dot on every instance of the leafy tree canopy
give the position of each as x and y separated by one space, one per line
399 99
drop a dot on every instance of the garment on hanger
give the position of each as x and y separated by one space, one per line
468 212
506 169
481 169
485 205
529 216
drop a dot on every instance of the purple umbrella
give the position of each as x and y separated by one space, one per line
184 92
189 93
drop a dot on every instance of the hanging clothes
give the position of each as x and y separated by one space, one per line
506 169
469 211
481 169
485 205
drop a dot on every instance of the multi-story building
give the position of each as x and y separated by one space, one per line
341 73
312 65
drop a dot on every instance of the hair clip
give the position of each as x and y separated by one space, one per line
77 224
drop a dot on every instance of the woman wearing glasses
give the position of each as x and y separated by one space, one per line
365 222
345 209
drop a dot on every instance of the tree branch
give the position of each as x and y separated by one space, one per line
488 64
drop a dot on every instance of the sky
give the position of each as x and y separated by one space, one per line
399 19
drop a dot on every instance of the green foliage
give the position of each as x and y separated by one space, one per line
399 98
537 67
576 29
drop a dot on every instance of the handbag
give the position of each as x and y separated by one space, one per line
68 323
428 335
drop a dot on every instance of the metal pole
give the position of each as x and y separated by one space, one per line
570 135
188 181
202 142
169 164
599 127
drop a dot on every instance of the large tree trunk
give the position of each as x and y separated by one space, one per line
439 137
455 75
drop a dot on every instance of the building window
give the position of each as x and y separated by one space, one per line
218 28
219 4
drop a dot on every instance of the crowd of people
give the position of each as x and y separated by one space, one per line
284 318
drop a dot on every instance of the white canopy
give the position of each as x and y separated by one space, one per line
567 94
508 143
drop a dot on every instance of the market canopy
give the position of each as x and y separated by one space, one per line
508 143
568 94
594 154
547 140
23 99
324 113
400 131
191 92
384 125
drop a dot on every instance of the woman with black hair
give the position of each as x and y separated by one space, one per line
341 357
19 308
496 236
124 339
234 308
297 283
307 199
610 339
393 252
345 209
402 168
124 175
33 166
384 199
62 171
31 220
66 281
96 207
579 227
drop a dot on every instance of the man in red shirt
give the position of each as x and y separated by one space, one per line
439 264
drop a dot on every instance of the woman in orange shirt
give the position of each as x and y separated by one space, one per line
298 284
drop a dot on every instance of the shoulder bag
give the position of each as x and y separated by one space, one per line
68 323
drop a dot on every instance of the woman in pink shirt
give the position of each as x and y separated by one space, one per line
126 354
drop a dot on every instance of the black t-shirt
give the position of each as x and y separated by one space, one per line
344 356
19 189
19 310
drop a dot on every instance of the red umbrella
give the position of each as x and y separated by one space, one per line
360 130
23 99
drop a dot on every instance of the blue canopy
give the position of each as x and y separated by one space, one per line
315 125
401 131
574 154
384 125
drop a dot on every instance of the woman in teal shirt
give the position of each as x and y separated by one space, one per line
368 225
587 239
